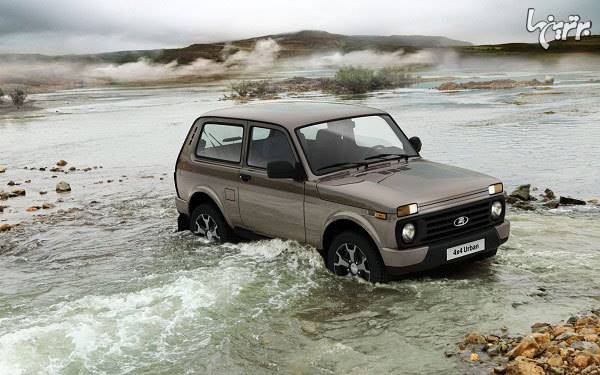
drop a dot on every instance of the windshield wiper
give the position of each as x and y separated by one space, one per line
385 155
343 164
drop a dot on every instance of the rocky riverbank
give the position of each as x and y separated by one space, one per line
570 347
524 198
497 84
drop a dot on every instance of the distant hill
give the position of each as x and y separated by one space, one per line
588 44
299 43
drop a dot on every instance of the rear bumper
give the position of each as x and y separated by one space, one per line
400 262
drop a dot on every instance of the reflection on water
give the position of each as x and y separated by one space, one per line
113 288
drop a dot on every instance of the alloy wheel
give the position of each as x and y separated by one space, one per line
351 261
207 226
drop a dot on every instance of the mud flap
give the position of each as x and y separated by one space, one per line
183 223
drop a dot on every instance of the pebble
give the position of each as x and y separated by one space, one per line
63 187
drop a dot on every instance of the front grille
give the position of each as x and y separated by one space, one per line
439 226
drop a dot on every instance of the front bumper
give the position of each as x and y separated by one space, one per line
405 261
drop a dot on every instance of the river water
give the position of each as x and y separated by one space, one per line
107 285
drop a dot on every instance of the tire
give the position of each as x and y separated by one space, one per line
353 247
208 216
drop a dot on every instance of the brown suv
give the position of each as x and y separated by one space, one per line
342 178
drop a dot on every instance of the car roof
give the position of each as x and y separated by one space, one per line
293 114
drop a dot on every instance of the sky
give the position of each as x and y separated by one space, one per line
90 26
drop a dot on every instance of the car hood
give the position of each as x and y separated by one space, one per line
418 181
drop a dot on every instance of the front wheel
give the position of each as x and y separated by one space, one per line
352 254
207 221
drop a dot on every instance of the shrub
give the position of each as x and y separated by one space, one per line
18 97
252 89
354 80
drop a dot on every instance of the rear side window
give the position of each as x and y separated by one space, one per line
221 142
267 145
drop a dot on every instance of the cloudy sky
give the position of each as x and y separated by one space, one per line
75 26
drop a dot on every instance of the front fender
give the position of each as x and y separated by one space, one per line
359 219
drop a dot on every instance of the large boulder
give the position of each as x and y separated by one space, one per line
63 187
522 192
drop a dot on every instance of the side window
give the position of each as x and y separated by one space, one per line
222 142
267 145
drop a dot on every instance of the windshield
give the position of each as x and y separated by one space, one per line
347 143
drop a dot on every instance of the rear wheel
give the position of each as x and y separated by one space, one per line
207 221
352 254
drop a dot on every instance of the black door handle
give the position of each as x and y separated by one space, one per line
245 177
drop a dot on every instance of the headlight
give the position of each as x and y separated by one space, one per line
496 209
495 189
408 232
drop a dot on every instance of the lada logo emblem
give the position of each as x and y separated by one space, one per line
460 221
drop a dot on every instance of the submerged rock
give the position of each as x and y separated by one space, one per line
5 227
526 206
568 201
63 187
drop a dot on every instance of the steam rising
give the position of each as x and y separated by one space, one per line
263 58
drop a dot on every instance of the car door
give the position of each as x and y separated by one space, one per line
272 207
216 163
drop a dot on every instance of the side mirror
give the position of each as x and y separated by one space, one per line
284 169
415 142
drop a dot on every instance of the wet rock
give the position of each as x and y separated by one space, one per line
528 348
593 201
61 163
27 181
475 338
541 328
47 206
522 192
63 187
499 370
587 346
42 169
72 169
55 169
11 183
2 208
32 208
551 204
18 193
2 169
549 194
555 361
568 201
582 360
4 195
474 357
523 367
5 227
524 206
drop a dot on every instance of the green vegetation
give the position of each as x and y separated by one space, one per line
355 80
18 97
347 80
